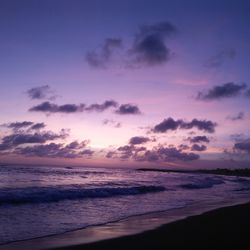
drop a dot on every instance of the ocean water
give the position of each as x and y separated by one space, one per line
37 201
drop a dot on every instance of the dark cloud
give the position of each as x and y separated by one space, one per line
127 109
41 92
100 58
87 152
197 147
18 125
204 125
220 58
226 90
171 124
149 46
15 139
183 147
239 116
54 150
166 154
77 145
38 126
48 107
157 154
138 140
110 154
127 151
101 107
198 138
167 124
243 146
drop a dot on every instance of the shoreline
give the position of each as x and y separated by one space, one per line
134 226
227 228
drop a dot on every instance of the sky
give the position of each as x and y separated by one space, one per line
125 83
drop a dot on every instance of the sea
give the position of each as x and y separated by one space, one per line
37 201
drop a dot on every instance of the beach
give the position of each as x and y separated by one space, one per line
196 228
227 228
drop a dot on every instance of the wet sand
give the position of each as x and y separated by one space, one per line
224 228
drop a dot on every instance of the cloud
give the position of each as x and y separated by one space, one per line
138 140
149 47
101 58
167 124
204 125
77 145
220 58
15 139
239 116
243 146
247 93
55 150
183 147
48 107
166 154
238 137
171 124
18 125
112 123
110 154
34 142
128 109
197 147
226 90
101 107
54 108
157 154
198 138
41 92
38 126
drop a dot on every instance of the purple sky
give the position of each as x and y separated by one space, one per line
142 82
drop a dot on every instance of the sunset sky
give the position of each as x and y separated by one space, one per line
125 83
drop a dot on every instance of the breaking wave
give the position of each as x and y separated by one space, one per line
20 196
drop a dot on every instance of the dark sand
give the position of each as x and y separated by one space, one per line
224 228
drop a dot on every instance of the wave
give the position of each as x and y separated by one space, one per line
54 194
200 184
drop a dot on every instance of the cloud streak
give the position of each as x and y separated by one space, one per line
123 109
238 117
138 140
218 92
16 139
220 58
41 92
